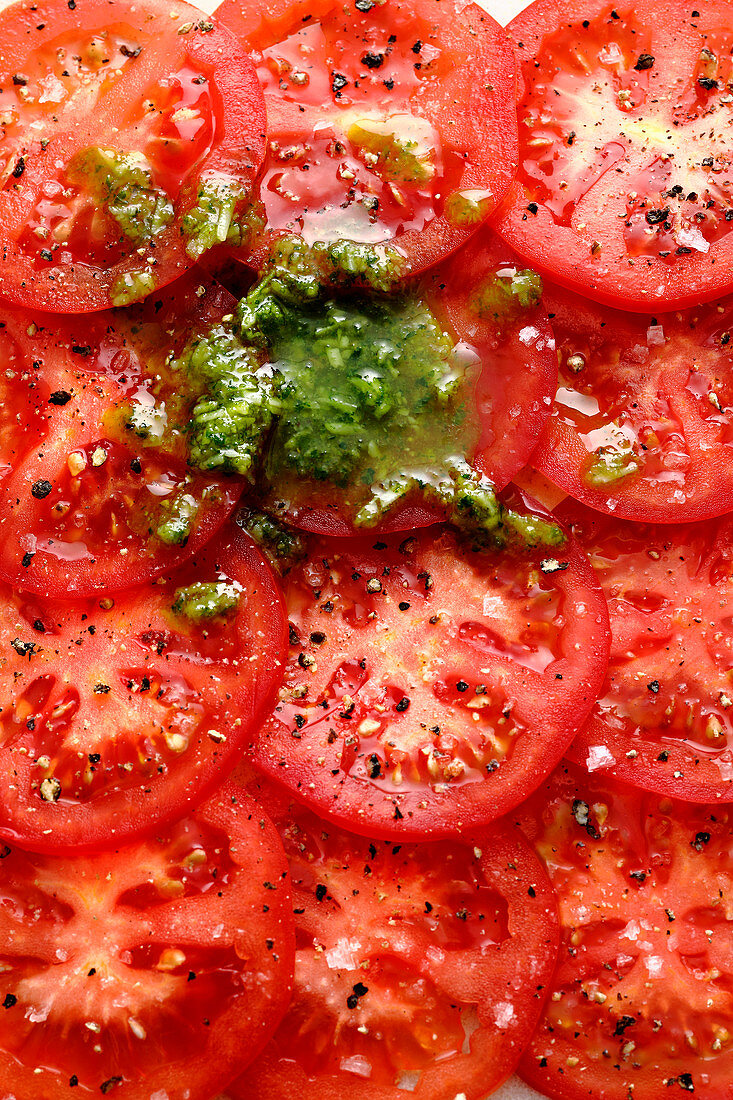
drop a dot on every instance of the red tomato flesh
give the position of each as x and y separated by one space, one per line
85 502
173 91
429 687
642 424
624 188
417 967
662 721
118 714
641 1002
390 122
156 970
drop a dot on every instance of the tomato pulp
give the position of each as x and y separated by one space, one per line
429 686
642 423
443 1002
128 136
624 189
387 123
154 970
120 713
641 1001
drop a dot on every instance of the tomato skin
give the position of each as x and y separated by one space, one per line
468 108
653 393
134 712
95 529
236 146
661 722
496 970
512 404
609 172
212 893
346 736
644 883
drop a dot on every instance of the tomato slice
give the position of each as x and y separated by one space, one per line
642 425
507 350
129 142
641 1001
430 686
117 714
90 504
624 187
662 720
156 970
417 967
387 122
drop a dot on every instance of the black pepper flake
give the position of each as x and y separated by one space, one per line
701 839
364 5
191 976
127 52
663 756
708 83
10 1000
94 757
417 46
403 704
373 767
23 649
360 990
462 686
645 61
47 255
317 637
73 1080
41 489
532 892
398 815
653 686
532 207
338 83
622 1024
321 891
293 635
19 79
26 559
403 605
109 1084
373 60
59 397
581 813
655 217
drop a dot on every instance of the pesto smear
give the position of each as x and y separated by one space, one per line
362 400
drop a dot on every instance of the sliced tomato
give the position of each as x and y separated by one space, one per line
641 1001
387 122
89 505
156 970
112 119
662 721
429 686
418 967
642 425
508 352
118 714
624 187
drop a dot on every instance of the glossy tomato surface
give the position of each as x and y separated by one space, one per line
507 351
387 123
624 188
159 969
171 92
641 1000
429 686
662 721
419 967
119 714
642 423
98 494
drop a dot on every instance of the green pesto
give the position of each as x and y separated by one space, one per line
610 465
205 600
122 183
467 209
177 517
222 214
502 298
233 412
400 148
131 287
282 545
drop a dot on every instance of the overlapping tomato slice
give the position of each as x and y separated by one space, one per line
418 967
119 713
